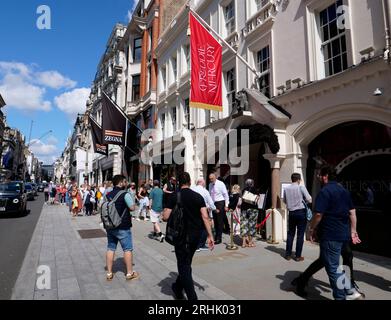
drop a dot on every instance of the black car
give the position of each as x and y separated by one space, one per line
41 187
12 198
29 191
35 188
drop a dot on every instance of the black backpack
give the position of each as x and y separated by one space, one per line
175 230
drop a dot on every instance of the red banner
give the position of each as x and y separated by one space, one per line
206 68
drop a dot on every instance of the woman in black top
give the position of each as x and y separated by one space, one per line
248 217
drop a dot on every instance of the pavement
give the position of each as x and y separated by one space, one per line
77 267
15 236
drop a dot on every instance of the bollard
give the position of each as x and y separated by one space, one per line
232 245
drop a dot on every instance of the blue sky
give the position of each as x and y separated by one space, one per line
45 75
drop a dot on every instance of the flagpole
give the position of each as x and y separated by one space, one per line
205 24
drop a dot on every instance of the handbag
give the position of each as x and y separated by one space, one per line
250 198
308 211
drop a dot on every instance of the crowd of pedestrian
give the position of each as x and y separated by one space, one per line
206 208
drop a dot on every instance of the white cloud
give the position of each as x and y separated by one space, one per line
20 94
46 152
73 102
130 12
55 80
52 140
24 86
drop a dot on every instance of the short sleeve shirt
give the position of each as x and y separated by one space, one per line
156 196
334 203
192 203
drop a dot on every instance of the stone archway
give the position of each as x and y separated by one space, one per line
361 150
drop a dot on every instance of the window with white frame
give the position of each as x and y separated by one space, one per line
186 51
333 39
263 66
261 3
163 121
231 87
174 68
163 75
174 120
229 16
186 111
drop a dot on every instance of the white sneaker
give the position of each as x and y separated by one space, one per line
354 296
161 239
138 219
146 219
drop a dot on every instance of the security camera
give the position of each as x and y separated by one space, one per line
377 92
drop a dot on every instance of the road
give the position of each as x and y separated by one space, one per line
15 236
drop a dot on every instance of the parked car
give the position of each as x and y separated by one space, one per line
41 187
13 198
35 188
29 191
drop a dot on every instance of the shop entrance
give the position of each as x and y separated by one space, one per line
361 152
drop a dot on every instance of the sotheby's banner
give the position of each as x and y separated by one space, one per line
206 68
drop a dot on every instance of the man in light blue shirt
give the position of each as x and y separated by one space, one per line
294 197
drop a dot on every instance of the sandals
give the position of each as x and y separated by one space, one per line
132 276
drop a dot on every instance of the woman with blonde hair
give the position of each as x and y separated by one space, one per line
235 202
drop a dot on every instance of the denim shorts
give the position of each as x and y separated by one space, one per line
123 236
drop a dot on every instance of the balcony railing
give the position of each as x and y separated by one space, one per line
265 13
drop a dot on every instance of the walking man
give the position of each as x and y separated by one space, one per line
210 206
294 197
220 197
196 219
333 211
156 203
122 233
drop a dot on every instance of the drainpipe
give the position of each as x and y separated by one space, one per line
387 53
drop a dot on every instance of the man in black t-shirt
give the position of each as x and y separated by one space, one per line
196 220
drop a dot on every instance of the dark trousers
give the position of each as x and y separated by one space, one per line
297 220
46 196
204 237
347 257
184 255
89 208
218 218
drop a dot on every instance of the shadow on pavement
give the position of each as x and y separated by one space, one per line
373 280
279 251
166 283
315 288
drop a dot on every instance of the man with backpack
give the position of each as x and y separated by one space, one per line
116 218
189 210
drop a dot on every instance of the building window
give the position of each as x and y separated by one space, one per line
150 34
231 87
186 110
229 15
174 68
334 51
135 88
149 80
261 3
263 66
163 71
187 56
137 44
174 119
163 120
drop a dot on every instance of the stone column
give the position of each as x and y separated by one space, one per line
274 228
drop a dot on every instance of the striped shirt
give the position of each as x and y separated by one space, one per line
294 196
